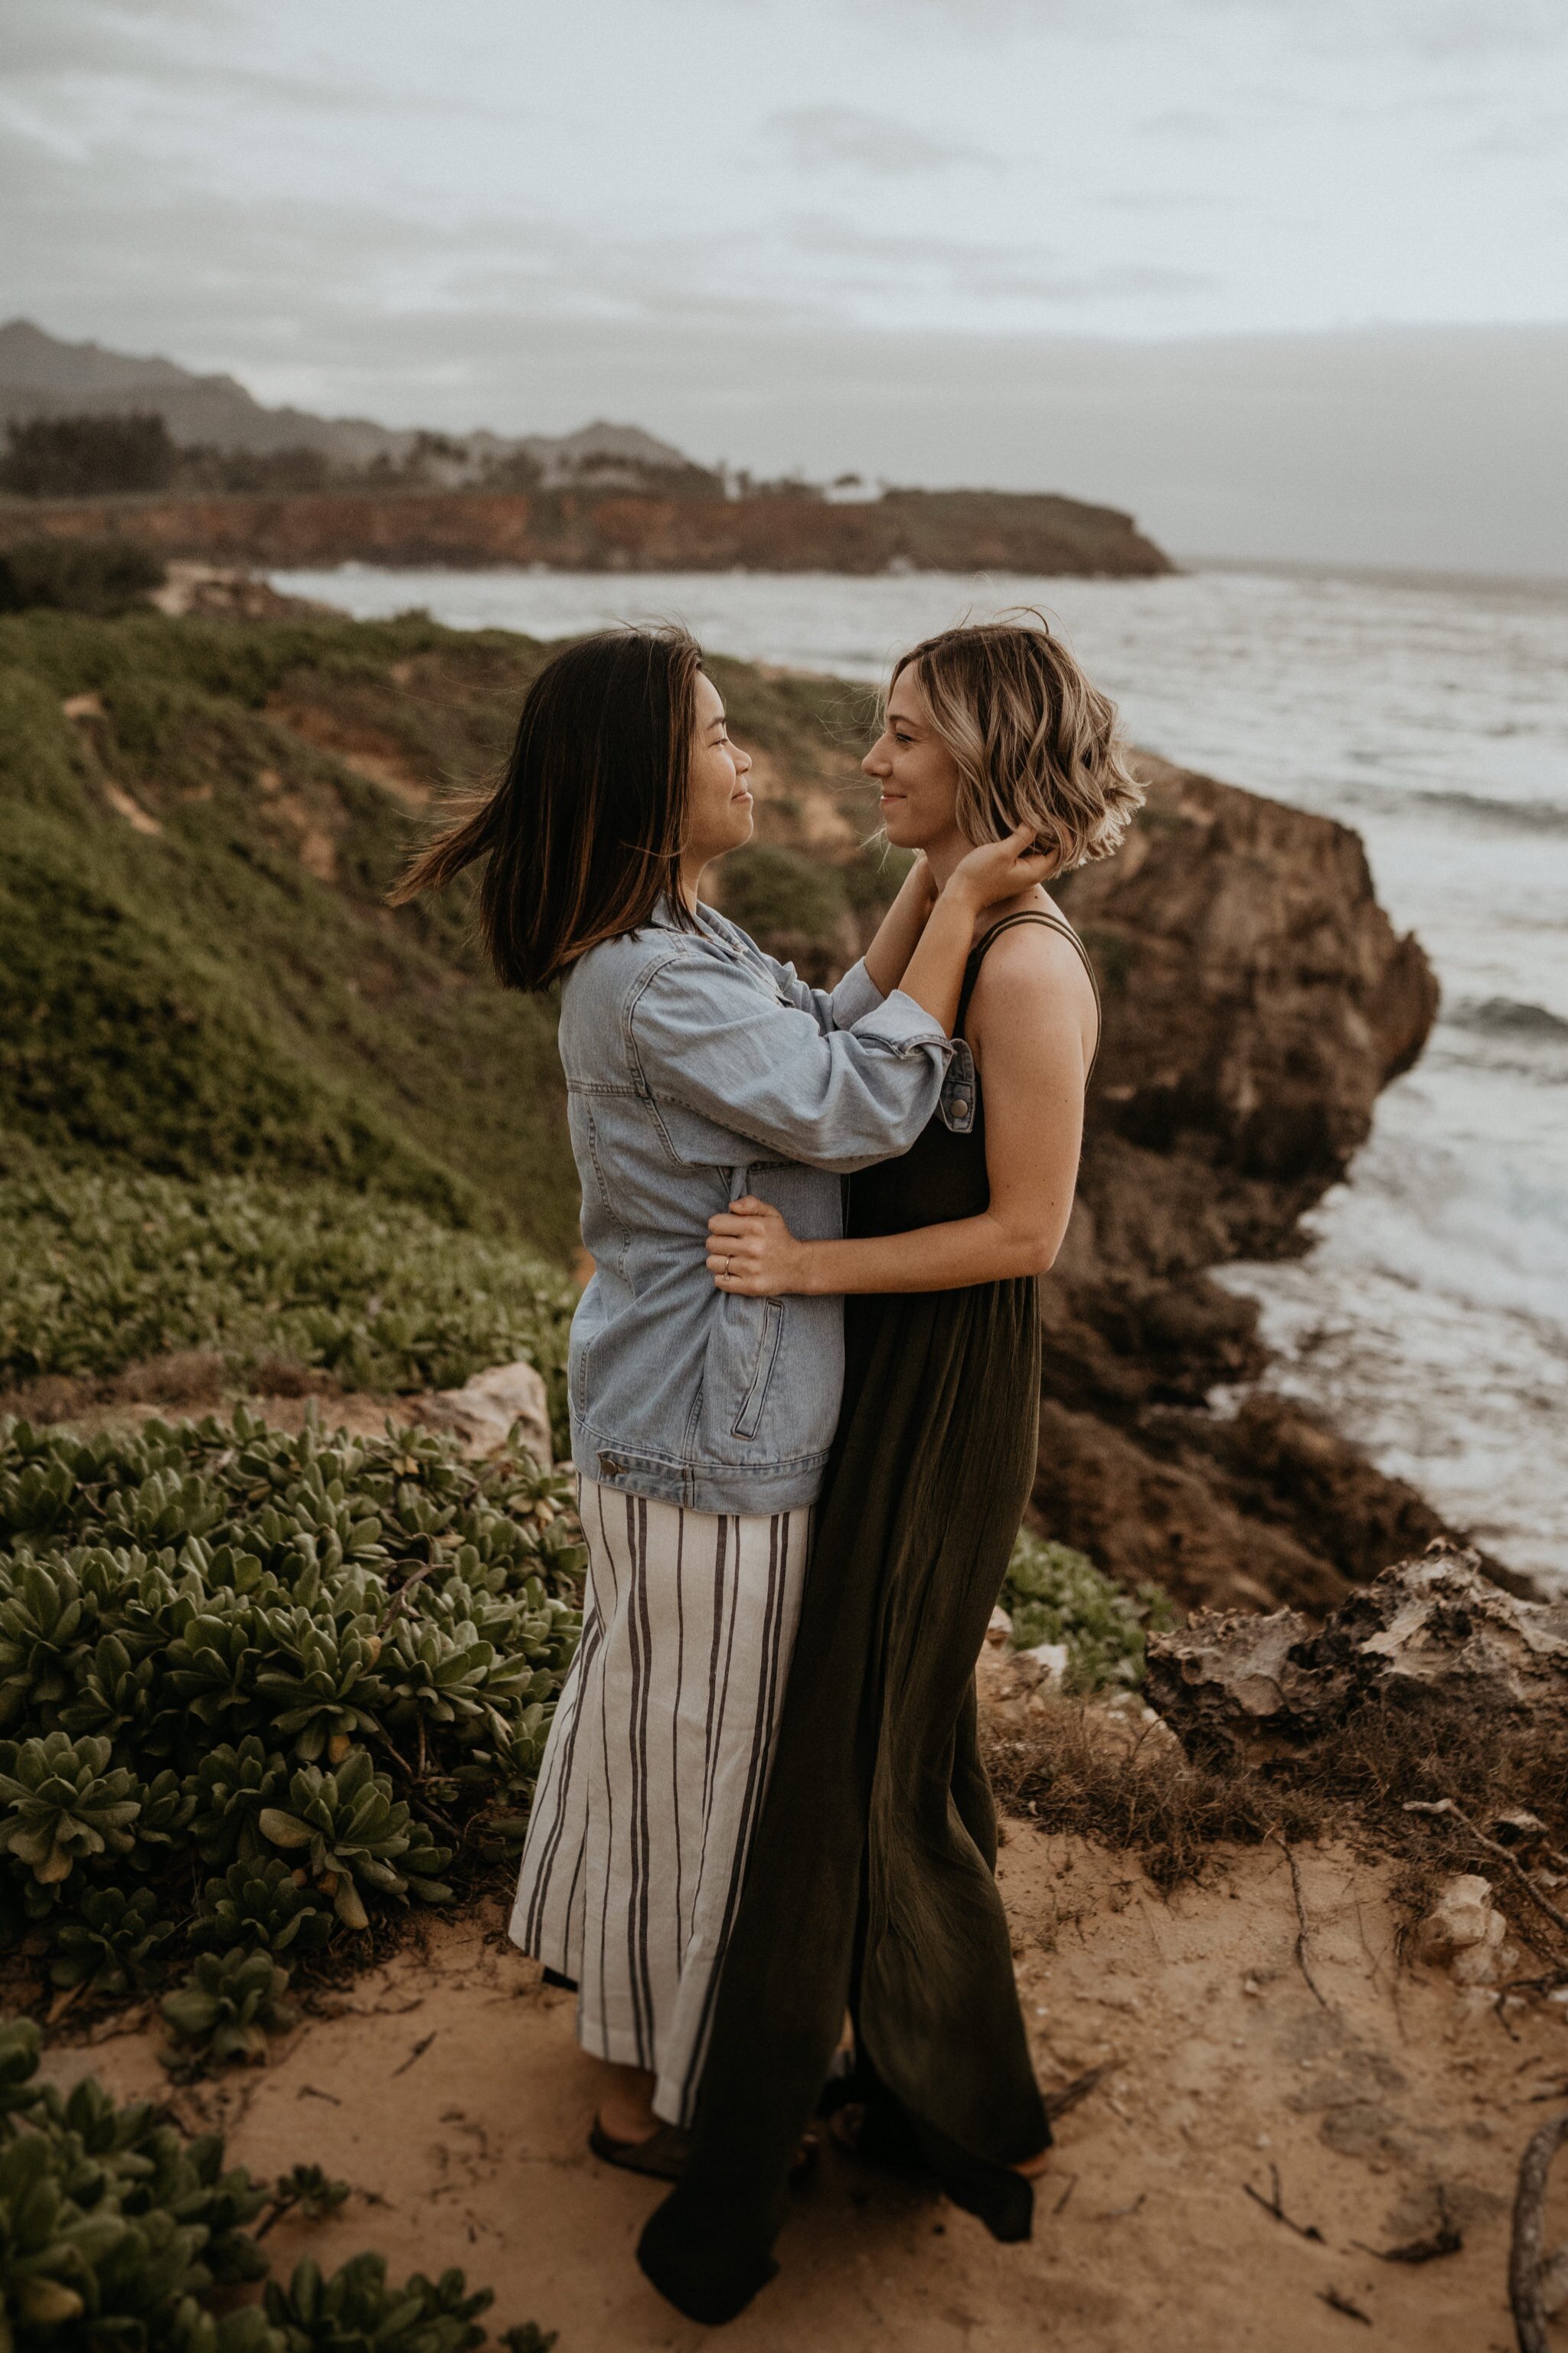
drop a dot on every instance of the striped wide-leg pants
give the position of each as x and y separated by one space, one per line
653 1774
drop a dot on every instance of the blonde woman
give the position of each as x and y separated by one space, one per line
870 1884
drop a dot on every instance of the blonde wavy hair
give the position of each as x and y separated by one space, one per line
1035 744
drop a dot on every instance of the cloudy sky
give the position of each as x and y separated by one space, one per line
1210 258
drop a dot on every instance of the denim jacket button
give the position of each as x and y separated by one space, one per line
610 1465
961 1106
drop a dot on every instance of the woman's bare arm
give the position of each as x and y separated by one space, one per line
898 933
998 871
1032 1029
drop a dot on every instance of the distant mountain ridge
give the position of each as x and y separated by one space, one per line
42 375
282 489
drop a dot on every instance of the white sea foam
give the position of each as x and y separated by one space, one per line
1431 1318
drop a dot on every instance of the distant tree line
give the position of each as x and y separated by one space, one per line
94 455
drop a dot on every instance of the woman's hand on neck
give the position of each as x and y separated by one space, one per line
944 857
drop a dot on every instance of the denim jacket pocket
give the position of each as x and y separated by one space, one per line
749 1419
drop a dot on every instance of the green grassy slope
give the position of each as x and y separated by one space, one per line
219 1050
227 993
195 1000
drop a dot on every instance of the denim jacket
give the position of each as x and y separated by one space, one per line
697 1070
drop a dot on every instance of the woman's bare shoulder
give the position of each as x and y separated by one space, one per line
1038 957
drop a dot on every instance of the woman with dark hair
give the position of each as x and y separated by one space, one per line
698 1070
870 1884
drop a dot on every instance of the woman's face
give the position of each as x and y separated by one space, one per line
917 773
718 800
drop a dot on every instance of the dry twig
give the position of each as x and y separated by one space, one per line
1275 2206
1524 2258
1302 1924
418 2052
1059 2102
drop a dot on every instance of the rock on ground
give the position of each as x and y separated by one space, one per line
1429 1631
482 1413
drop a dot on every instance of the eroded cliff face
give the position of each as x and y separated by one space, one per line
1256 1000
921 531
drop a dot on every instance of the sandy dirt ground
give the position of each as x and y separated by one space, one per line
447 2088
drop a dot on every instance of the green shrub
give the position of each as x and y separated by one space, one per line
77 576
117 2232
1055 1595
102 1268
312 1662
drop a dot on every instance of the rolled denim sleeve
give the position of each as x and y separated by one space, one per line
704 1036
839 1008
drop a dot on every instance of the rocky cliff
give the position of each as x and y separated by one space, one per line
1256 999
926 531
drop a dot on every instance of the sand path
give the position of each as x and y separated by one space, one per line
447 2088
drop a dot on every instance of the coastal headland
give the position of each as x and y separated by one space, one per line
583 530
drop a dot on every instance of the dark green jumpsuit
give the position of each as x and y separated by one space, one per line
871 1881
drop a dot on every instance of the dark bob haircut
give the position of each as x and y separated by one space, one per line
583 835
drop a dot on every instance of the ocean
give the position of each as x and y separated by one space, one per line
1429 1320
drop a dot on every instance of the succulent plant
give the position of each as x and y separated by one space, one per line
107 1943
1056 1595
434 1673
37 1497
229 2005
321 1686
164 1508
229 1788
260 1907
115 1693
44 1619
356 2309
312 2192
225 2200
50 2252
65 1802
21 2046
192 2329
354 1833
167 1807
212 1667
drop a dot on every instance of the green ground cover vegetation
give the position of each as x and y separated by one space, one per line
106 1266
257 1690
118 2231
1055 1595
